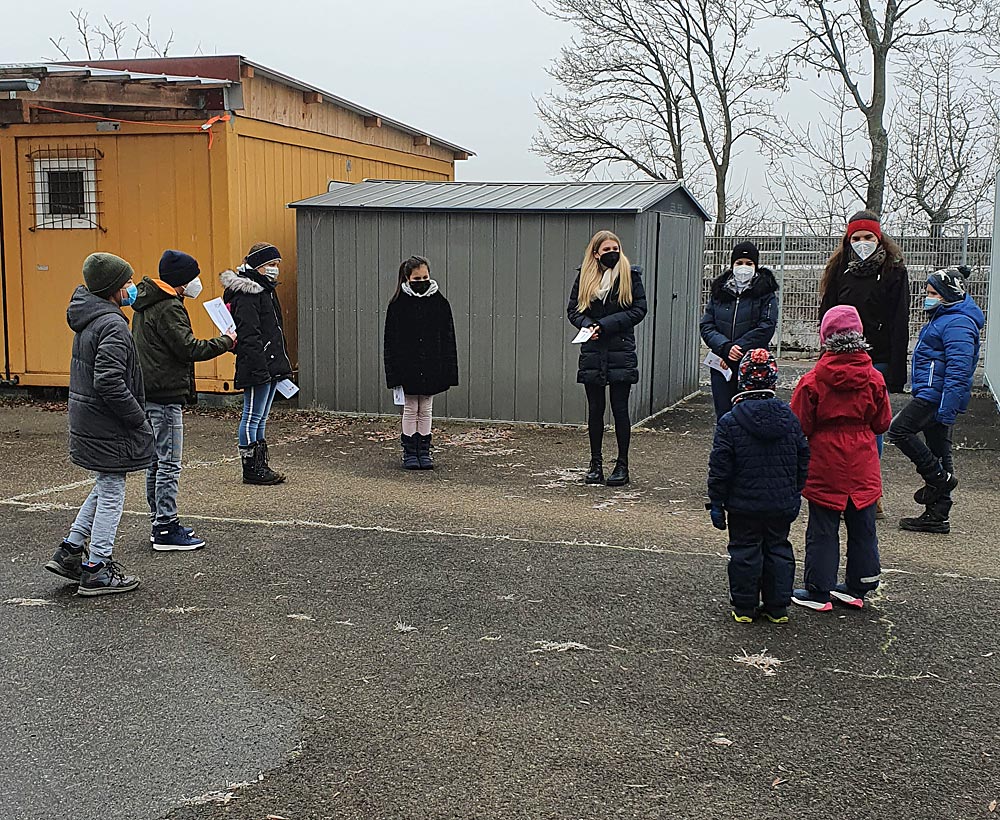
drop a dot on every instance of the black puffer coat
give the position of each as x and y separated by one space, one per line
108 431
882 298
420 351
760 460
612 356
747 319
167 346
261 355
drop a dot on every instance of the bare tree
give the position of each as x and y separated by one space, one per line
856 42
641 75
946 149
110 39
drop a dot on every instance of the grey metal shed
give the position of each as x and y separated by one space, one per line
505 255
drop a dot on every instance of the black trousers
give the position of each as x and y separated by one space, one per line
823 550
596 407
723 392
934 452
761 562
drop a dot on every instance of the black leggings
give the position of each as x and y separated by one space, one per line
596 401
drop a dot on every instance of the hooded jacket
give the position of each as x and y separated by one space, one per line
759 460
261 355
746 319
420 352
167 346
945 358
882 298
842 404
108 432
611 357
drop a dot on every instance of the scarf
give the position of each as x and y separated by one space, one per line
739 288
405 287
871 266
607 283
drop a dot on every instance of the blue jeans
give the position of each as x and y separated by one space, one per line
257 401
823 550
167 421
883 368
100 516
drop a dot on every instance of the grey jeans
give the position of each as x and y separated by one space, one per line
167 421
100 516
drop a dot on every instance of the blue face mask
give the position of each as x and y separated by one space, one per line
132 292
932 303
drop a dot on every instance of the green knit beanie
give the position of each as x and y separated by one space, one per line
106 273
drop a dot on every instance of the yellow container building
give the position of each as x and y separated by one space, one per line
137 156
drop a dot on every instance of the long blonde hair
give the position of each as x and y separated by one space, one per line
591 275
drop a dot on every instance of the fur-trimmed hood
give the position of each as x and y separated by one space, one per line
242 280
763 284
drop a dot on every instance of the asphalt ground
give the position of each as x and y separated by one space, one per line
364 642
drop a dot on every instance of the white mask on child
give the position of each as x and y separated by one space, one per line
192 290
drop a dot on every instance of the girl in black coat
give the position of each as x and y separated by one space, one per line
261 354
421 356
741 315
609 300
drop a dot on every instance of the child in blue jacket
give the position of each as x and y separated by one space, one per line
944 362
758 467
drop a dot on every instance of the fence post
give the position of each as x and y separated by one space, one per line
965 244
781 286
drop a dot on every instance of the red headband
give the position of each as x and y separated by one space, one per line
865 225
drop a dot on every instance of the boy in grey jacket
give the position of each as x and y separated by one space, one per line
108 431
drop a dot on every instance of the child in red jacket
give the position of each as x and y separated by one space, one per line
842 404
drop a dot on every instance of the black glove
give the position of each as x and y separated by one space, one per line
718 517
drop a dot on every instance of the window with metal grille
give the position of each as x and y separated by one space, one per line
65 192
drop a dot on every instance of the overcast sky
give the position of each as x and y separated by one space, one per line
465 70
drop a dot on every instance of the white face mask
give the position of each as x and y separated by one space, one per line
864 249
744 273
270 271
193 288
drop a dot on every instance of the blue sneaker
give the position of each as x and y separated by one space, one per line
185 530
175 538
842 595
810 600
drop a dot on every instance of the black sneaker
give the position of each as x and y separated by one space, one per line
775 615
185 530
106 578
175 538
66 561
927 521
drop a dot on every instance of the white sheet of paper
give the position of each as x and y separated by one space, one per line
286 387
398 396
220 314
583 336
715 362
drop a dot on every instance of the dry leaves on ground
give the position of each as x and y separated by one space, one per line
767 664
561 646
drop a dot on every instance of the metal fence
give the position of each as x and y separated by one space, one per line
797 256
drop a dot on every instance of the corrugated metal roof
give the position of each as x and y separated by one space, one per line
498 196
56 70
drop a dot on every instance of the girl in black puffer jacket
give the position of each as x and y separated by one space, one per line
421 355
741 315
261 354
608 298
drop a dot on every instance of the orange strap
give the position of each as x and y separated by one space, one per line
206 126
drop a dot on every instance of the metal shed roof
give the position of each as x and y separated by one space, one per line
499 196
41 70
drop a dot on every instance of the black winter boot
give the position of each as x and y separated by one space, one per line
424 456
411 460
258 472
933 519
248 456
941 483
595 473
274 475
619 478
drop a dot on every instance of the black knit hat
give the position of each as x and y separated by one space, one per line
262 256
950 283
178 268
748 250
105 273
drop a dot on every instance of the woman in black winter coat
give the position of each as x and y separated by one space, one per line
741 315
607 299
261 354
421 356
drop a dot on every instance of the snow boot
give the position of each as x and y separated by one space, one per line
411 460
424 457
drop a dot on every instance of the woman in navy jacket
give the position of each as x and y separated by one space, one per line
741 315
608 297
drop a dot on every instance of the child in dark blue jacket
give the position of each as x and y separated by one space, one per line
758 467
944 362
